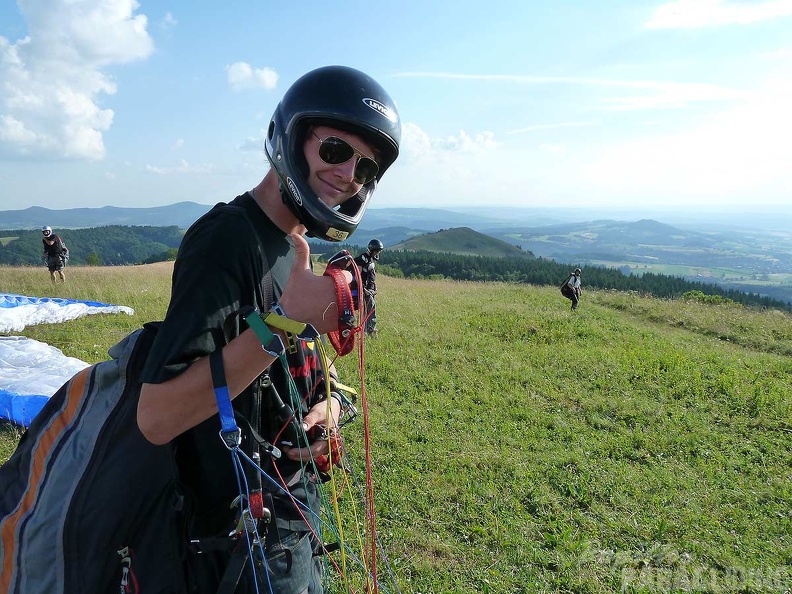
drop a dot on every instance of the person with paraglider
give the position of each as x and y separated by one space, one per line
332 137
56 254
367 264
571 288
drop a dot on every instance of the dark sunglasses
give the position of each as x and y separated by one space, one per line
334 151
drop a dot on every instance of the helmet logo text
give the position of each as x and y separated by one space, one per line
294 191
381 109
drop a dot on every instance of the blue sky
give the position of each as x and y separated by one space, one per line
614 103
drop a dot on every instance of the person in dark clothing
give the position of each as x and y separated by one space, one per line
368 276
332 137
54 253
571 288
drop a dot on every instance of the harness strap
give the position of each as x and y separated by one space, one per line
284 413
343 339
234 569
229 430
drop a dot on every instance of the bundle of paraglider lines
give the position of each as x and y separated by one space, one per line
346 525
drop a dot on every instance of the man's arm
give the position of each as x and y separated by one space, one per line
168 409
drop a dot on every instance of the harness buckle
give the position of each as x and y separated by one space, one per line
232 439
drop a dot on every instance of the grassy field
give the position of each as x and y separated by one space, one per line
634 445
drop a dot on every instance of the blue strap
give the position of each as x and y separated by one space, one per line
229 431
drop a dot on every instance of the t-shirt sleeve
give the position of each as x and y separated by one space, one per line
213 276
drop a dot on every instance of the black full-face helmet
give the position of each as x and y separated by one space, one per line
342 98
375 246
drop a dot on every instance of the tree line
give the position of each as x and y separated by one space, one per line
112 245
541 271
119 245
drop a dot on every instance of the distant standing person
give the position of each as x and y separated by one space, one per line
368 275
54 253
571 288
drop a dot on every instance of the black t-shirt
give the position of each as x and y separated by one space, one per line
52 249
220 268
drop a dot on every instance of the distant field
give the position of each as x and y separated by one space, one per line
728 278
636 445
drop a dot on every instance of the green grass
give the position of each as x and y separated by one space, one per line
634 445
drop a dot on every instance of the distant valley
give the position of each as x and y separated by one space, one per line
749 252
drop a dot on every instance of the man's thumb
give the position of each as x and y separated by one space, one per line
302 252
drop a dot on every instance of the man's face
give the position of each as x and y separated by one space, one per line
334 184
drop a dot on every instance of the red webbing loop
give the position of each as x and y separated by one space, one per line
256 502
323 462
343 339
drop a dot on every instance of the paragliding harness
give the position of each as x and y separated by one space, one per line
62 257
88 504
566 290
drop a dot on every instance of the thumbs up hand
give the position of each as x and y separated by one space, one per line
310 298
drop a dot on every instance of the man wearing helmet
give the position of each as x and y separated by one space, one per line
329 142
368 276
571 288
54 253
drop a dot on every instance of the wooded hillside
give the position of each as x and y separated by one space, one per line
113 245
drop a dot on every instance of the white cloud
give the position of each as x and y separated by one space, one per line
655 94
780 54
552 148
253 143
692 14
181 169
456 169
177 144
743 151
52 79
537 127
168 21
467 144
671 96
242 76
417 144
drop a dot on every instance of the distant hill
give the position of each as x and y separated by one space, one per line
651 242
462 241
748 251
181 214
110 245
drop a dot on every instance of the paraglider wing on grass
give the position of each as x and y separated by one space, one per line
31 371
19 311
